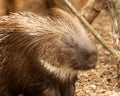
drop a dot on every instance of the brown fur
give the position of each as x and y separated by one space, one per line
41 55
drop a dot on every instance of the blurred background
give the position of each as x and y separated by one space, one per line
39 6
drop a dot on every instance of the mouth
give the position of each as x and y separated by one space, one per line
88 67
78 66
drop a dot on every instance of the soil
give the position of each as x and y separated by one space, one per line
101 81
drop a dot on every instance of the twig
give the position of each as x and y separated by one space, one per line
92 9
93 31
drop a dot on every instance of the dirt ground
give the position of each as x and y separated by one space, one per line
101 81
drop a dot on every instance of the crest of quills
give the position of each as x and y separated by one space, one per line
41 55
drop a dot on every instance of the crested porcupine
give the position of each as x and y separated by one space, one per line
41 55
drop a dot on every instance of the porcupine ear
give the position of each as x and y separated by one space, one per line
59 13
